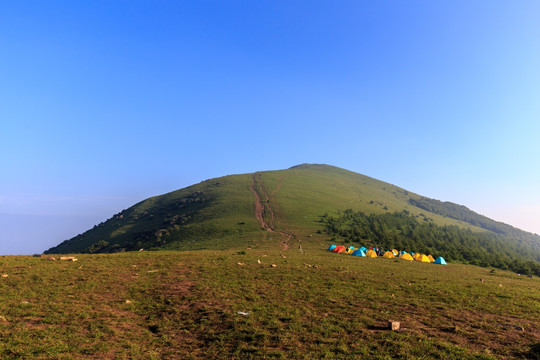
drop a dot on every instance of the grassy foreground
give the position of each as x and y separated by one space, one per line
311 305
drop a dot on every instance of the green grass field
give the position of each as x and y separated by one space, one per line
312 305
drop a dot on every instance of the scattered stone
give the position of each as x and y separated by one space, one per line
3 319
51 258
273 265
5 275
315 266
283 256
259 261
241 264
128 301
141 250
68 258
243 313
393 325
500 285
152 271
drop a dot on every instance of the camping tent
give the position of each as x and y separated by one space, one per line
389 255
395 252
406 257
422 258
339 249
431 259
332 247
358 252
371 253
363 248
440 260
349 250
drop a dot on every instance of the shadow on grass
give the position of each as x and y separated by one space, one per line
533 353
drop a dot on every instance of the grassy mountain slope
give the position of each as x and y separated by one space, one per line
215 210
311 305
221 213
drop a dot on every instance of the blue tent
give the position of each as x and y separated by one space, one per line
363 248
358 252
332 247
440 260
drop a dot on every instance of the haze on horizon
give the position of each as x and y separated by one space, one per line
105 104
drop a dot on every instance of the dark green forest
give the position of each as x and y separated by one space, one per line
460 212
404 232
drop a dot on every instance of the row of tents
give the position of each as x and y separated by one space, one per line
390 254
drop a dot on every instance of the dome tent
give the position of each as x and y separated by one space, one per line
359 252
440 260
371 253
406 257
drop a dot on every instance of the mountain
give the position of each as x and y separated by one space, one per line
297 205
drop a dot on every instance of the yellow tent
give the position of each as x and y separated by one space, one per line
422 258
389 255
417 256
406 256
431 259
371 254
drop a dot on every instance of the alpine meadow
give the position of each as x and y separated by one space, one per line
238 267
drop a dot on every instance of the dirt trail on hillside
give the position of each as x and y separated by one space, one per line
264 212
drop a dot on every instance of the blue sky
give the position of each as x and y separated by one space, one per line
104 104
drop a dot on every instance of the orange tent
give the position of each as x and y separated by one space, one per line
371 254
406 256
422 258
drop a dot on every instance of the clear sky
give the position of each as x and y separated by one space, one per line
105 103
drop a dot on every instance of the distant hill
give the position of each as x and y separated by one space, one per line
286 206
